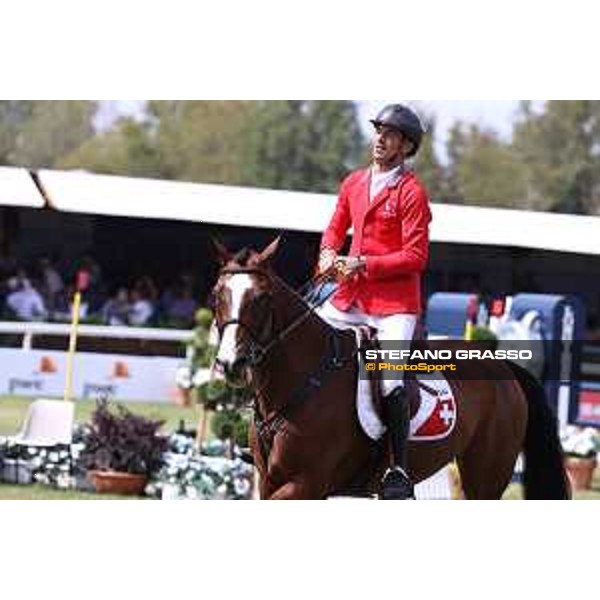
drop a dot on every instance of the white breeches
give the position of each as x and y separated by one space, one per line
399 328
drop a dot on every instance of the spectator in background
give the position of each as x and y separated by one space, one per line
182 307
63 310
95 294
147 288
52 283
117 309
90 265
141 308
25 301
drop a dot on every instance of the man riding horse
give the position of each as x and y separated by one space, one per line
388 209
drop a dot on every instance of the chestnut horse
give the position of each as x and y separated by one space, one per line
306 439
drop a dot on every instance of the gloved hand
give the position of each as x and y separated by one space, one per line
327 260
347 266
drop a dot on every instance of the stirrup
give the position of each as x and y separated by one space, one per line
396 485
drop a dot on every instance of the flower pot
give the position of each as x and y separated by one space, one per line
114 482
580 471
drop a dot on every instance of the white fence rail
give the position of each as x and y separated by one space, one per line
30 329
39 372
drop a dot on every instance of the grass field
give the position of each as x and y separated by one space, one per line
43 492
12 413
515 492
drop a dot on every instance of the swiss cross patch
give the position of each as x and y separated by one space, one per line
434 419
436 416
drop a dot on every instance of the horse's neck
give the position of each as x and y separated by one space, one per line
305 339
311 331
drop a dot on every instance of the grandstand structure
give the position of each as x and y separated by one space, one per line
127 223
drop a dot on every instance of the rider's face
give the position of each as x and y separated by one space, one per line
389 147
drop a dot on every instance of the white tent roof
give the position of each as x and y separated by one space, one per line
18 189
158 199
517 228
218 204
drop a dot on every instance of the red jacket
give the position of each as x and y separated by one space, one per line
392 232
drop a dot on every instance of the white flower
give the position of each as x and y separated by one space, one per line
36 462
183 377
170 492
64 481
242 486
221 492
191 493
580 442
201 376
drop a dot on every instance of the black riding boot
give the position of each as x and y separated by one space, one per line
396 482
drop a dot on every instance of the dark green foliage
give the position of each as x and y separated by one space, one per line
551 162
40 133
128 148
231 424
561 146
200 140
483 169
119 440
307 145
428 166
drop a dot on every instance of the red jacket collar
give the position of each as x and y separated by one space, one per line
403 175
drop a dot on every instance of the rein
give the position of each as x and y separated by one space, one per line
331 362
258 352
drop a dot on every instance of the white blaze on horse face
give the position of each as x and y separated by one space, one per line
237 285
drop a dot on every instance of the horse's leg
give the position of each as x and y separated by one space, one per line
487 464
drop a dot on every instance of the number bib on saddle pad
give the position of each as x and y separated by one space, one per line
435 416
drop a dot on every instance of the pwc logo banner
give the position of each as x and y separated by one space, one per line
47 365
121 370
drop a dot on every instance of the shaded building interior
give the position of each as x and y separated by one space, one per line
128 248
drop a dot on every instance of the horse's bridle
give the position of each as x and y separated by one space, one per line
268 427
259 350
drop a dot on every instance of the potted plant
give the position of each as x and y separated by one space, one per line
122 450
201 351
581 446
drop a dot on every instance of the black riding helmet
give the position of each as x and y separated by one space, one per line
403 119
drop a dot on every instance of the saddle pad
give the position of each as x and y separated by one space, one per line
435 417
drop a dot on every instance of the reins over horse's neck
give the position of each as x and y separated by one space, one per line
302 340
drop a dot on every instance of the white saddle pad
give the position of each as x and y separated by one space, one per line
434 420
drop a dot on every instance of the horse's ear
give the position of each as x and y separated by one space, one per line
221 253
266 255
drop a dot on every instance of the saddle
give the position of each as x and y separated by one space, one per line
431 399
368 340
